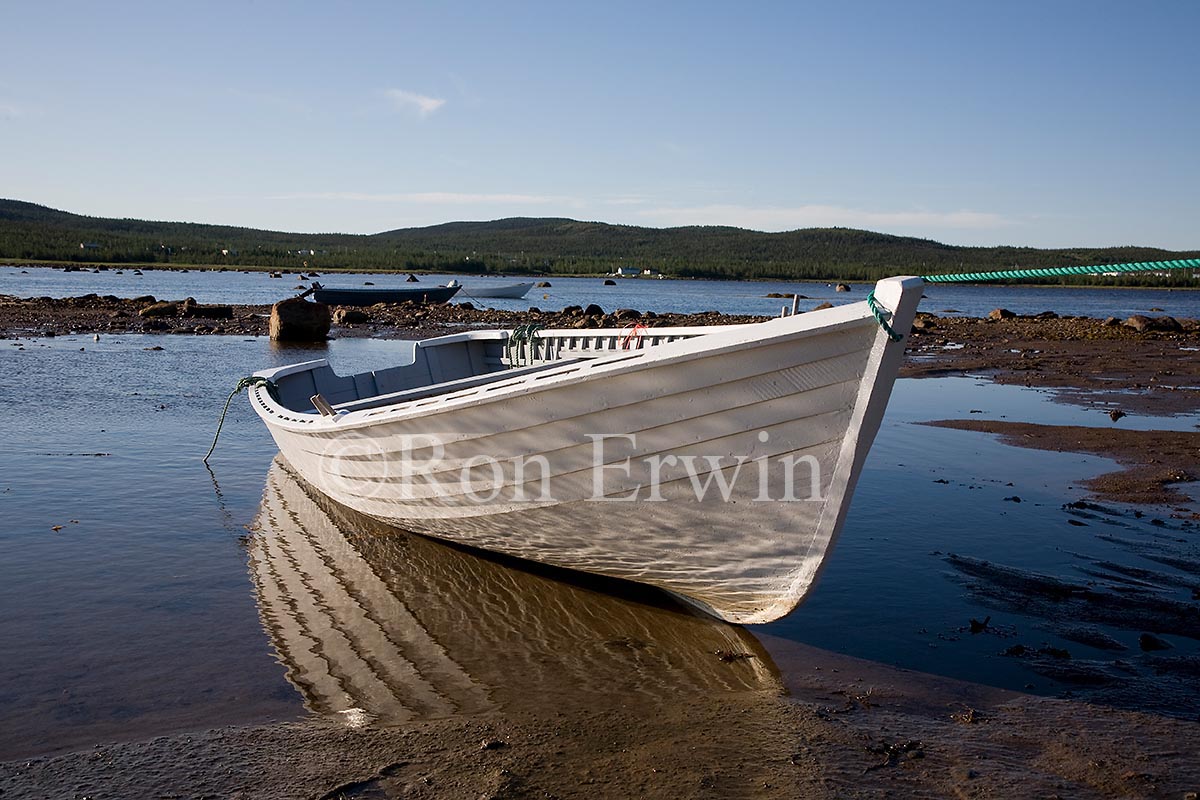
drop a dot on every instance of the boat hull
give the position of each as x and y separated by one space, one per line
718 468
369 297
513 292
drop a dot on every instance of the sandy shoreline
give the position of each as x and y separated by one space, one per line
845 729
839 728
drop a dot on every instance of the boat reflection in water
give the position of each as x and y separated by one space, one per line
377 624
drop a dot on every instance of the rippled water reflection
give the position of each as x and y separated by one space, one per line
376 624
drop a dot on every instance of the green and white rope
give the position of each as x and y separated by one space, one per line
882 315
1053 272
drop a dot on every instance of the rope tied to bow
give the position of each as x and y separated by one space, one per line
244 383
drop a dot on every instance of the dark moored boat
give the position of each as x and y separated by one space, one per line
369 297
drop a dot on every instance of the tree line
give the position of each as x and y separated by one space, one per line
541 246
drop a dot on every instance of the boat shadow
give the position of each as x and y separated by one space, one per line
380 625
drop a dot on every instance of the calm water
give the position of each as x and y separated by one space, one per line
730 297
142 594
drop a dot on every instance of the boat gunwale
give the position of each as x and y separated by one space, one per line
695 347
569 374
417 449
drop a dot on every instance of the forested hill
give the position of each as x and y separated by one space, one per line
524 245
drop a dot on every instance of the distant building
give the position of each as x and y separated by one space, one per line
89 246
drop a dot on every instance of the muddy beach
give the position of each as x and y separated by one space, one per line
852 730
837 727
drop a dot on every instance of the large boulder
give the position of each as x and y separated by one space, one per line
215 312
1000 313
298 320
163 309
350 316
1142 323
924 323
189 308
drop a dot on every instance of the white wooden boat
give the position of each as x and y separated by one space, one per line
514 291
714 462
375 625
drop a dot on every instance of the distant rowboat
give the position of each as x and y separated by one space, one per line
512 292
369 297
714 462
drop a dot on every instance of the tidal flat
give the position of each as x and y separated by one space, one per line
990 624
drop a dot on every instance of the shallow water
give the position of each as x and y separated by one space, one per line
136 585
683 296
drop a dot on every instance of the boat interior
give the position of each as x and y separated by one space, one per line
460 361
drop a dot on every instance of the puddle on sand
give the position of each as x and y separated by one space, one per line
142 617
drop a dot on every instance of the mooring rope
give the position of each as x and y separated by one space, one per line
244 383
882 315
1053 272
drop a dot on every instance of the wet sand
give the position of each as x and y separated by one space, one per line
1154 463
849 729
1100 361
842 728
855 733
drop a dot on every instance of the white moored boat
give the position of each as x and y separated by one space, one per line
714 462
513 291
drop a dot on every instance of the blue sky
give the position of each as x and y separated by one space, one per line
1048 124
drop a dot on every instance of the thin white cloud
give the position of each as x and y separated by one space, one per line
429 198
819 216
10 111
411 101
